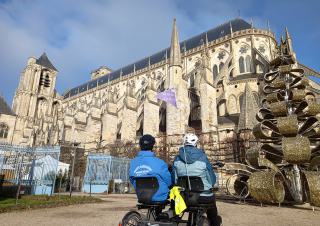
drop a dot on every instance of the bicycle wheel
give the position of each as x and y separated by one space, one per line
131 219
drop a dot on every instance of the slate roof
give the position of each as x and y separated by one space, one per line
4 107
44 61
198 40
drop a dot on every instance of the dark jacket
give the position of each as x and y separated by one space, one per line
197 165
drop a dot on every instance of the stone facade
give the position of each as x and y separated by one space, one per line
208 72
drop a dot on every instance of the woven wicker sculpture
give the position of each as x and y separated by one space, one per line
288 129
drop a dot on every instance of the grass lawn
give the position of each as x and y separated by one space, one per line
43 201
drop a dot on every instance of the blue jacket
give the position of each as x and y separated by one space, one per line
146 164
198 165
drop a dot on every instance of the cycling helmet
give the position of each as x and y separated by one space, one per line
147 142
190 139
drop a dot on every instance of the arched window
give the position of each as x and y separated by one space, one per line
248 64
232 105
44 78
191 81
220 66
241 100
215 72
47 81
241 64
4 129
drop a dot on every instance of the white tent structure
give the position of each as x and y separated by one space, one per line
48 166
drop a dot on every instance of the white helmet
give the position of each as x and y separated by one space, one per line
190 139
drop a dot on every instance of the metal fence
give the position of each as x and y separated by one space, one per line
28 170
106 172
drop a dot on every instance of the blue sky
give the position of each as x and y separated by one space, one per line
82 35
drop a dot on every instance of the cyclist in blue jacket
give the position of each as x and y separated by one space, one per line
146 164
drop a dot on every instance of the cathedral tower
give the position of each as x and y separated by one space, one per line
177 117
35 99
36 88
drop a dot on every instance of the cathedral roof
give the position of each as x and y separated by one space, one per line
44 61
191 43
249 108
4 107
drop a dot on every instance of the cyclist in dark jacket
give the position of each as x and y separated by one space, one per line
192 161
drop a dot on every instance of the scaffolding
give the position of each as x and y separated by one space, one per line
28 170
102 169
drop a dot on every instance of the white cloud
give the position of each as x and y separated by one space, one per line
79 36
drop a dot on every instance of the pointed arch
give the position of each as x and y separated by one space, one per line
248 64
41 107
232 104
241 65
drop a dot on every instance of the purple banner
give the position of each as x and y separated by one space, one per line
168 96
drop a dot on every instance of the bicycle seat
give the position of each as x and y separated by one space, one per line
193 188
146 187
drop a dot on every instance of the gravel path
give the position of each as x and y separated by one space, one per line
113 209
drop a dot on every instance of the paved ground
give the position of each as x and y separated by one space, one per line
111 211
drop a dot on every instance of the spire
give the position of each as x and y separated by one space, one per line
44 61
249 109
287 34
231 31
251 22
289 42
175 54
268 24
